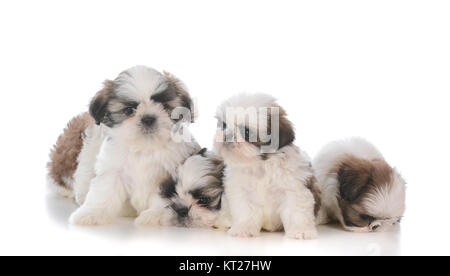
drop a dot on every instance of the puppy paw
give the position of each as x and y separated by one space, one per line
241 232
148 219
302 235
83 217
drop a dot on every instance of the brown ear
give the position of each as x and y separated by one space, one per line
182 93
287 134
354 176
99 104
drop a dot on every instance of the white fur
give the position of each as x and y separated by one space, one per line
85 172
271 194
265 194
121 166
56 188
387 202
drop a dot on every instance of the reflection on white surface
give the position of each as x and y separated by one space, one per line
181 241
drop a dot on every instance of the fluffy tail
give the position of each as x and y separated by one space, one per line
57 188
64 155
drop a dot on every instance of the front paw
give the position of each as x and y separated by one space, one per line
84 217
148 219
310 234
243 232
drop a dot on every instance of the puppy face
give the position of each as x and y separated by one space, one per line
251 127
372 194
195 199
139 105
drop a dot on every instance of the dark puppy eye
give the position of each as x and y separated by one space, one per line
203 201
221 125
130 109
247 134
367 217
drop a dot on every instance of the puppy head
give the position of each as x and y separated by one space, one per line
251 127
195 198
141 104
372 194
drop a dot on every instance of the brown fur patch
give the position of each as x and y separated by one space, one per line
181 91
311 185
63 156
352 214
287 134
358 178
219 167
286 130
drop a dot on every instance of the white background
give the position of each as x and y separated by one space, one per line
377 69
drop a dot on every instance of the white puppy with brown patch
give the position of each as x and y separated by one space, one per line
266 176
359 188
136 137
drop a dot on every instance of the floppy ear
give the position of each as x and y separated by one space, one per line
287 134
99 104
168 188
178 87
354 178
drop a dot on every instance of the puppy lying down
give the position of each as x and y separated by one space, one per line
359 188
194 198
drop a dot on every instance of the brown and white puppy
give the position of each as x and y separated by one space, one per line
267 178
133 139
359 188
195 197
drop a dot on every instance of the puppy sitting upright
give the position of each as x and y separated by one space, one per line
135 140
359 189
266 176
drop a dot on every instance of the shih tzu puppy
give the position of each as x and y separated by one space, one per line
359 188
267 178
193 198
115 158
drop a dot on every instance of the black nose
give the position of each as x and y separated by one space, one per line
148 120
375 227
183 212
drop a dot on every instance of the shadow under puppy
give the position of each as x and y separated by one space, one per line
359 188
267 178
194 198
117 156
